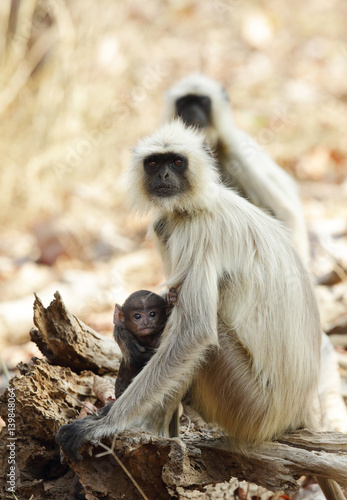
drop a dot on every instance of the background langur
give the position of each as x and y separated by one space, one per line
139 324
203 102
245 305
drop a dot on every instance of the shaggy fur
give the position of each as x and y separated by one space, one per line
245 333
243 164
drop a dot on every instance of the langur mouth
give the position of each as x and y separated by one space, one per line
145 331
165 190
198 124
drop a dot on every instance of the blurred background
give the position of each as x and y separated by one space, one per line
81 82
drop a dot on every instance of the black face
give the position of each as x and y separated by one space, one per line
165 174
194 110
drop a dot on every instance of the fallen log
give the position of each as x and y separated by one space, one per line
67 341
38 405
338 326
170 468
164 468
45 398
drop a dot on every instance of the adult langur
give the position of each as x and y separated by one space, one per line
245 305
243 165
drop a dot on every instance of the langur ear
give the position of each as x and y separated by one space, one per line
225 94
118 315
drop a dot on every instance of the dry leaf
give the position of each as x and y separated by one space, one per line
104 389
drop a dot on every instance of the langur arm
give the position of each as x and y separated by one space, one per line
133 352
190 331
259 183
286 211
125 375
135 356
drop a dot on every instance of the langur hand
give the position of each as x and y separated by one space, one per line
111 420
172 296
90 429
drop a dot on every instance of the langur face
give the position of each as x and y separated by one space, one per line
194 110
145 321
165 174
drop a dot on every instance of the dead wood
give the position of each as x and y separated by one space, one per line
169 468
164 468
338 326
67 341
40 409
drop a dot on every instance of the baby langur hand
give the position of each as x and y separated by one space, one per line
172 296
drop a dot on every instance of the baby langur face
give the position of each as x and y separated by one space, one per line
146 321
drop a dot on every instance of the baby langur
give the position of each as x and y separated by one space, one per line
139 324
243 165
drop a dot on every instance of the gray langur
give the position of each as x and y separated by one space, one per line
245 305
203 102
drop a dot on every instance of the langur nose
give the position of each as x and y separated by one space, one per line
165 174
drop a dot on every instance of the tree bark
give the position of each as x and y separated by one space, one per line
170 468
67 341
163 468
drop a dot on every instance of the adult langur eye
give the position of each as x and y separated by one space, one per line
152 164
152 314
137 316
178 162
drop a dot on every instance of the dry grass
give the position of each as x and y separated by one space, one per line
81 81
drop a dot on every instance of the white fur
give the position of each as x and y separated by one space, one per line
245 333
164 141
266 185
243 161
233 266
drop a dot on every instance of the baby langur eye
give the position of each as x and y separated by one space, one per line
152 314
137 316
